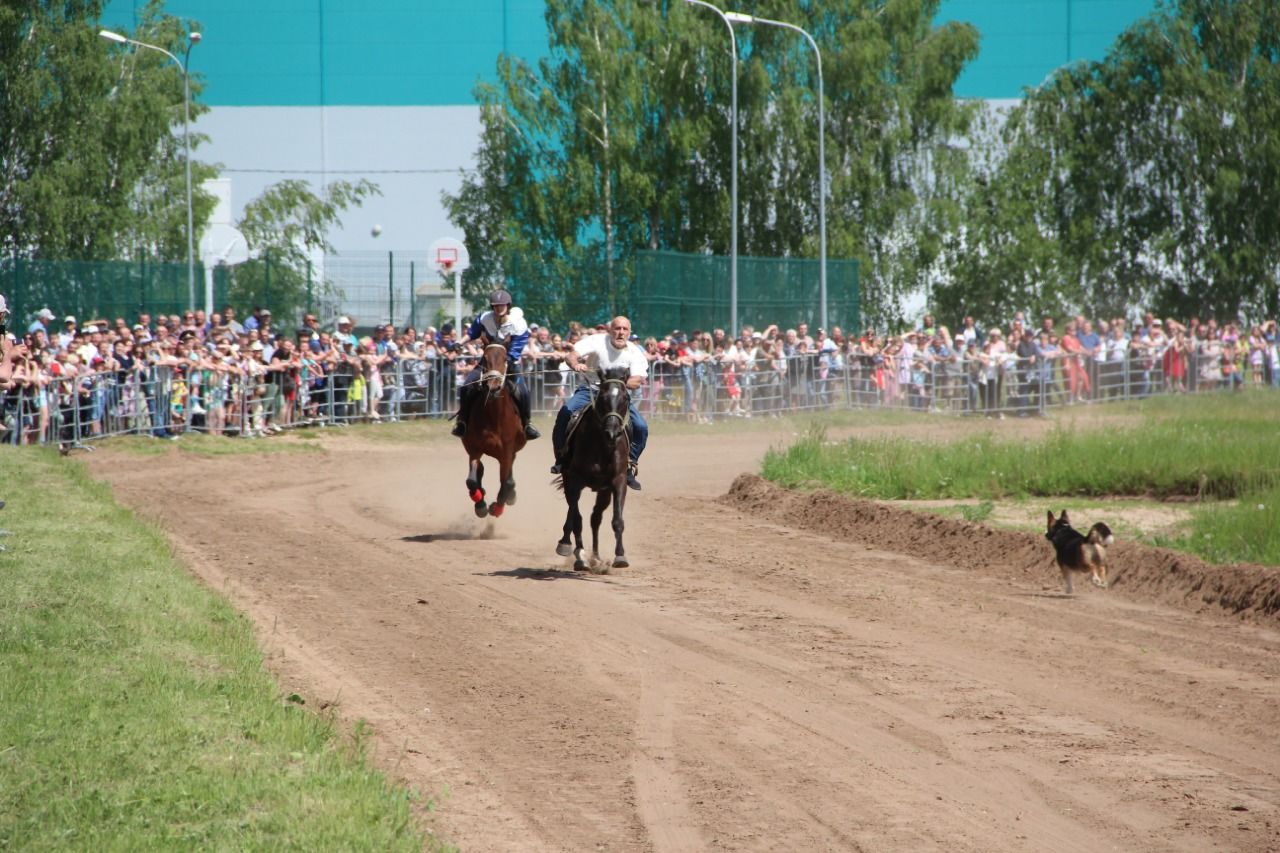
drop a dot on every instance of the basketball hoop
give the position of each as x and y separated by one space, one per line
446 258
449 255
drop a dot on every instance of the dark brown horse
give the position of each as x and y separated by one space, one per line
596 457
493 429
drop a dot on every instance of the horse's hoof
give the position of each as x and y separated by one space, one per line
511 498
579 566
564 549
481 509
477 496
495 509
620 563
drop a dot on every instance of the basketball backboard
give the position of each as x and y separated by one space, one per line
448 255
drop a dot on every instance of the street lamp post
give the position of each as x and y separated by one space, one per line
192 39
742 18
733 181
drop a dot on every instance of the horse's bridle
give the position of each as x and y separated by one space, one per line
626 419
496 374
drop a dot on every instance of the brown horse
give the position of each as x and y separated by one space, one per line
493 429
596 457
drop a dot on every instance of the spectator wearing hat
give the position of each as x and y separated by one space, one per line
68 333
344 333
41 322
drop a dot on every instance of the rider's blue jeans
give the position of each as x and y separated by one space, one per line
580 400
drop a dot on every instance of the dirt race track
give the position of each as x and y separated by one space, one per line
770 673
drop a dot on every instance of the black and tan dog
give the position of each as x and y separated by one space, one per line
1077 552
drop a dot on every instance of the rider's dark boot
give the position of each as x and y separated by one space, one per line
632 482
523 405
460 420
559 464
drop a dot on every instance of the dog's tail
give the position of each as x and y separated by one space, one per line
1100 534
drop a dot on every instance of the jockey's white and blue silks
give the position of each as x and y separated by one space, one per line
514 332
600 354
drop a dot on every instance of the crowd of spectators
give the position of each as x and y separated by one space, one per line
165 375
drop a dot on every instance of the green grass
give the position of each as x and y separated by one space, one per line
1241 531
1219 447
136 711
201 444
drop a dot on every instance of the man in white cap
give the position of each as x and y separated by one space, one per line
41 322
68 333
345 334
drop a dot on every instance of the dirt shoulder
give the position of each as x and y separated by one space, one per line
775 670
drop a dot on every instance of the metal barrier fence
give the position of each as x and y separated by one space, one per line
247 401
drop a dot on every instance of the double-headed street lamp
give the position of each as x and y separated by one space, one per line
733 181
741 18
192 39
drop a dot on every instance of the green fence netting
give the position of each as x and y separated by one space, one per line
99 290
660 291
674 290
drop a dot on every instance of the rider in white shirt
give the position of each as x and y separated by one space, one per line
502 324
597 352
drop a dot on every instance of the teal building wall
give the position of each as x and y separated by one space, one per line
311 53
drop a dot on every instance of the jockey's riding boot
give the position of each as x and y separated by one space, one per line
632 482
559 464
460 420
523 405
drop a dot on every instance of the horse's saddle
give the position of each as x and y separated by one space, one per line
575 419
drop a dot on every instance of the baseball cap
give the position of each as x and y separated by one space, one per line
256 346
4 306
344 320
45 314
91 329
68 319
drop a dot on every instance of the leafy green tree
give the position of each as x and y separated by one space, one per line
1151 177
91 157
619 140
284 228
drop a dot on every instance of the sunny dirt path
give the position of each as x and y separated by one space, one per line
743 686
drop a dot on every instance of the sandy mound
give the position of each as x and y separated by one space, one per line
1136 571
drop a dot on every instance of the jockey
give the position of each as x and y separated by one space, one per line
502 324
602 351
